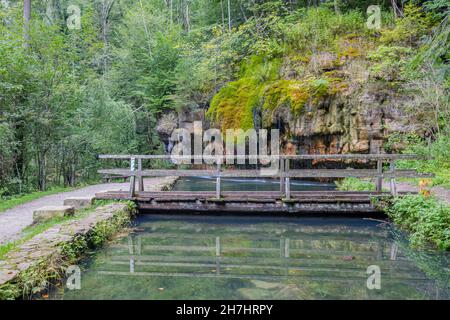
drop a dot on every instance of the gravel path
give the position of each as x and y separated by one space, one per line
14 220
440 192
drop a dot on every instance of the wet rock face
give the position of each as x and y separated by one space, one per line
358 122
181 120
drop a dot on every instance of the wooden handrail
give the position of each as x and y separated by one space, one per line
283 171
377 156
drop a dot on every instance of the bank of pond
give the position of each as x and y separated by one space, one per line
256 257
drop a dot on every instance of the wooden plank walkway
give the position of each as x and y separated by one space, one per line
300 202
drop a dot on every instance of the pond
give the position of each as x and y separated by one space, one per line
239 257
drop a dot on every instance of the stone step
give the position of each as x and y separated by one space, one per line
46 213
79 202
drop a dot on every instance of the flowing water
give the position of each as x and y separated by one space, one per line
210 257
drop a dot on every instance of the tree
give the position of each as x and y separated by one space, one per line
26 17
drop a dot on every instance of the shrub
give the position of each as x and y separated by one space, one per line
427 219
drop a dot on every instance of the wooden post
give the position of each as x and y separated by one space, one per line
394 249
140 177
288 181
139 245
218 255
132 177
379 184
130 245
217 246
286 248
393 183
281 177
218 180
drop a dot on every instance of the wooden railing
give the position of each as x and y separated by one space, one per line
283 172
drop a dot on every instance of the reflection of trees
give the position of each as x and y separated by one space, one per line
432 263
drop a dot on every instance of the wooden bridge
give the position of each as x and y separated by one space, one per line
283 201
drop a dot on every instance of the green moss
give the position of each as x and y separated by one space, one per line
290 93
232 107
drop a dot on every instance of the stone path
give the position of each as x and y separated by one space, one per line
14 220
44 246
440 192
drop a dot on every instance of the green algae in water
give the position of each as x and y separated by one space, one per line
191 257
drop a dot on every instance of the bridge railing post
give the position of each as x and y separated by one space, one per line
393 182
288 180
133 176
218 192
379 183
281 177
140 177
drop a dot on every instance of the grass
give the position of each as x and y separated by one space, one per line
355 184
12 202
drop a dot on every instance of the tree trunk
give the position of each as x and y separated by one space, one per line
104 16
397 6
229 15
336 7
171 12
41 171
26 18
223 15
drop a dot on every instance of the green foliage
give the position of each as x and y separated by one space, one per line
318 29
354 184
410 28
390 62
441 8
262 87
426 218
437 158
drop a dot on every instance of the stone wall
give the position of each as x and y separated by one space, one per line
42 259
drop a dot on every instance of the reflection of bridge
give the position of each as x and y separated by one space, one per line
339 257
283 201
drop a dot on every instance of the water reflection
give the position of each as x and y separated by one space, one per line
238 184
191 257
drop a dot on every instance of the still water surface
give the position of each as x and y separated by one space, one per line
210 257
